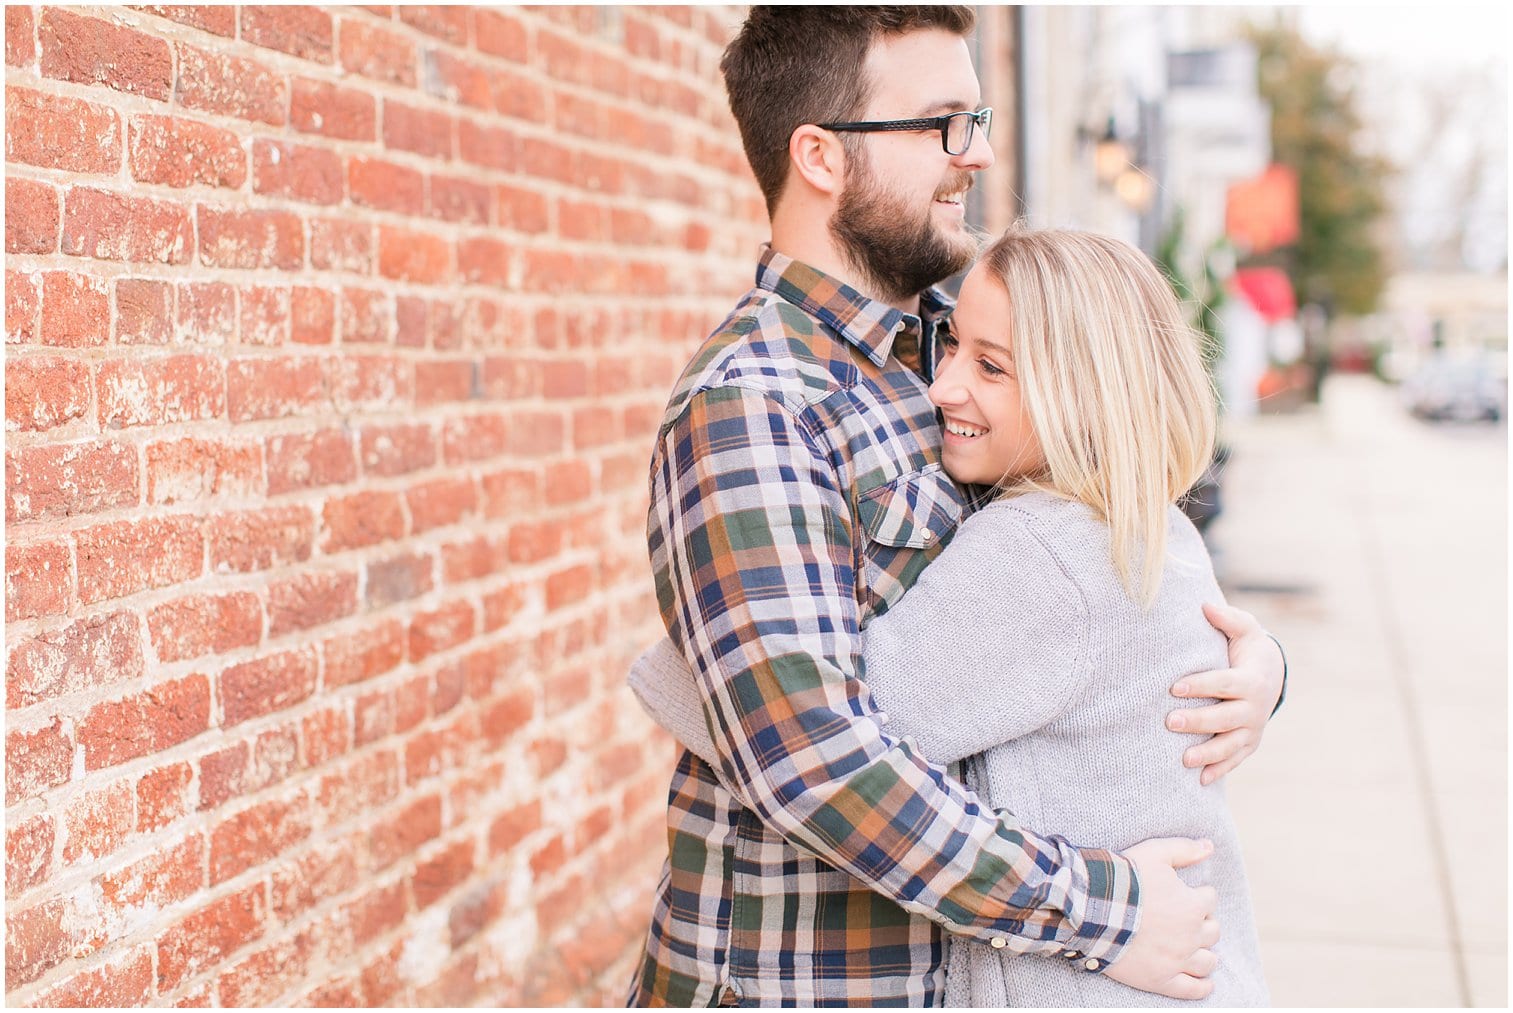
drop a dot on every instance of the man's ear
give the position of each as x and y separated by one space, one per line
818 157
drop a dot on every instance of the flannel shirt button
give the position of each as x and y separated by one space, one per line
998 942
1093 964
929 535
1070 954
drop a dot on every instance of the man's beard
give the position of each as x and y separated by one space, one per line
895 247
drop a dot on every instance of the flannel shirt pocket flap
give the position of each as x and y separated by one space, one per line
914 511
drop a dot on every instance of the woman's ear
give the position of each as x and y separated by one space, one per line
818 157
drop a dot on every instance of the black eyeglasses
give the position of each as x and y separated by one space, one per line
955 129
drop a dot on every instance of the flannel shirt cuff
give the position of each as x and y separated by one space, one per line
1110 911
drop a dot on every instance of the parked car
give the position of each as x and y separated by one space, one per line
1463 388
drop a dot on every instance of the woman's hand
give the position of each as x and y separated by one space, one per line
1247 692
1170 953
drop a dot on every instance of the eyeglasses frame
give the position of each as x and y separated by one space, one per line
982 118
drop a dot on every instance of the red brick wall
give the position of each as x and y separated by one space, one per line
335 342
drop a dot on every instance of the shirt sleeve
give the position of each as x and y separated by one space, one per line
1006 629
752 542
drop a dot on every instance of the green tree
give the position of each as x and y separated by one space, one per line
1338 262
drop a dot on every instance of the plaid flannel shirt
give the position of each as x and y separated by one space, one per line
796 491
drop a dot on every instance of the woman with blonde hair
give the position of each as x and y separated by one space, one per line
1039 646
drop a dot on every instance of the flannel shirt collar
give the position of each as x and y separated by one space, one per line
870 325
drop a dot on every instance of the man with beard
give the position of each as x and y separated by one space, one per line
797 492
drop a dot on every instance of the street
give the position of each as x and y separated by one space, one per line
1374 818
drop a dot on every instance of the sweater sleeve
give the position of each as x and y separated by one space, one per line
988 645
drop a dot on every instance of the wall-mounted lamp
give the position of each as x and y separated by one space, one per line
1116 164
1111 156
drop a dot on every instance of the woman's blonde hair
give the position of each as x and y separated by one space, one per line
1112 376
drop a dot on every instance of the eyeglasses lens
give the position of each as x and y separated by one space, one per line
960 127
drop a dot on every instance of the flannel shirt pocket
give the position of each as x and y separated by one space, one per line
907 521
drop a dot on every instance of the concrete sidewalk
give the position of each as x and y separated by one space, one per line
1375 816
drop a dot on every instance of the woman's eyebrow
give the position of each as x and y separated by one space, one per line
991 346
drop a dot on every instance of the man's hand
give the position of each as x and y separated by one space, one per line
1170 954
1248 692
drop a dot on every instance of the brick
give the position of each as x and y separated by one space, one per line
398 578
337 245
372 717
97 823
159 391
377 911
460 200
447 22
358 788
31 216
385 185
324 871
406 255
173 151
569 586
297 171
484 260
161 879
28 853
257 835
111 226
265 685
250 239
43 392
38 579
223 775
37 761
163 796
474 438
201 940
440 629
423 131
200 624
75 309
57 132
501 34
40 937
441 873
488 146
124 981
440 502
451 683
473 559
309 600
94 650
260 978
258 539
401 835
320 107
380 53
191 469
339 993
68 479
115 731
410 321
215 82
365 317
214 19
144 311
20 46
522 210
444 381
265 388
305 32
411 702
23 302
568 482
264 315
207 313
128 556
91 51
510 828
362 519
309 460
456 79
324 735
396 449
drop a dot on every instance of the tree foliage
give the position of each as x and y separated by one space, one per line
1338 262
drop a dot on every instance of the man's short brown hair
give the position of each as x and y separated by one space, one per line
794 65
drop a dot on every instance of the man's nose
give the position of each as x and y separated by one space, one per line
978 156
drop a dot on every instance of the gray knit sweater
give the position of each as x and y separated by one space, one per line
1019 652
